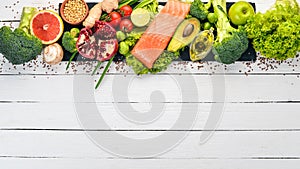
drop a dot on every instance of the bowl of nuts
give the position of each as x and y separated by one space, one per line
74 11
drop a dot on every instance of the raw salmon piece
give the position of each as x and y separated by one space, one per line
158 35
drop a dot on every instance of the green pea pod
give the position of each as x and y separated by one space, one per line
27 14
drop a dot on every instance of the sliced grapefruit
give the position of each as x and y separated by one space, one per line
47 26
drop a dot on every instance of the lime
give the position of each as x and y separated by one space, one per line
140 17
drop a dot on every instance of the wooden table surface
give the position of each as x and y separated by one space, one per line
257 127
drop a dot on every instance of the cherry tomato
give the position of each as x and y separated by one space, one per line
115 19
126 25
126 10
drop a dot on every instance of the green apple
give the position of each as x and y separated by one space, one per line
240 12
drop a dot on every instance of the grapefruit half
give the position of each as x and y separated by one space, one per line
47 26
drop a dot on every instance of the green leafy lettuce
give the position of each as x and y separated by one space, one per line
160 64
276 33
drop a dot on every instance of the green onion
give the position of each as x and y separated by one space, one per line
98 65
70 60
104 72
143 4
127 2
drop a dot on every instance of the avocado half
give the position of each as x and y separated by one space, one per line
184 34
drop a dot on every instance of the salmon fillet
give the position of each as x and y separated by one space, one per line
159 33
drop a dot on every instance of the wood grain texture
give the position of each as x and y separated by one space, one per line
259 128
236 116
239 89
177 67
223 144
149 163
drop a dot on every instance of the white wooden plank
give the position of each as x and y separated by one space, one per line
13 9
59 88
271 116
225 144
149 163
261 66
10 24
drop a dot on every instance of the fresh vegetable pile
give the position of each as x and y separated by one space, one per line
126 28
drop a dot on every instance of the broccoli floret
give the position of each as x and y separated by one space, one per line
231 43
69 40
18 46
199 9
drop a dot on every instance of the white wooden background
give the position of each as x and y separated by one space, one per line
260 127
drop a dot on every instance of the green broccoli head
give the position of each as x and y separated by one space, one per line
17 46
69 40
231 43
231 47
5 33
199 9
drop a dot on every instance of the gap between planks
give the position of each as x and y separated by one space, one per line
153 158
161 74
253 102
148 130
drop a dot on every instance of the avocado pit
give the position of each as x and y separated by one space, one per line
188 30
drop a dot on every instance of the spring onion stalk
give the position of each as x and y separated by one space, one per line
104 72
70 60
127 2
97 67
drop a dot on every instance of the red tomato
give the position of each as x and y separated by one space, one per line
126 10
126 25
115 19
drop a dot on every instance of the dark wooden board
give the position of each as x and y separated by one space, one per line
249 55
